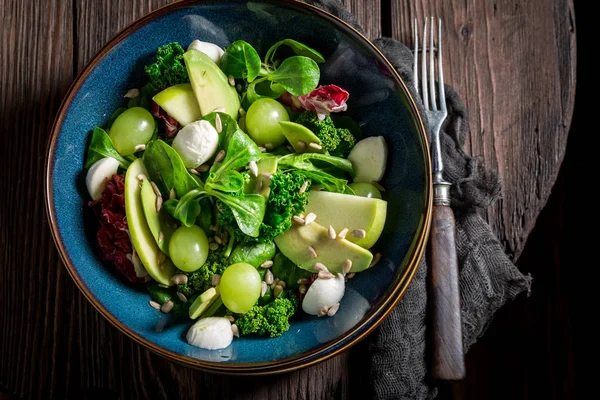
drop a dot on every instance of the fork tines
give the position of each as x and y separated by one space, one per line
425 80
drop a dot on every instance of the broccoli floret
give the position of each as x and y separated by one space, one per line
272 319
200 280
337 141
169 68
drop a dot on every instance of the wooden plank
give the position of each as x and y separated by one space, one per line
37 68
368 15
516 75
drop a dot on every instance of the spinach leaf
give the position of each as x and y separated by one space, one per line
262 88
329 182
288 272
230 181
228 126
240 150
315 162
167 170
297 47
253 253
248 210
299 75
241 60
101 146
188 207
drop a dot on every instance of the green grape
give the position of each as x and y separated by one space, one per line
262 122
188 248
133 127
240 287
365 190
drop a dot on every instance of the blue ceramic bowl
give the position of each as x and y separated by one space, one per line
379 102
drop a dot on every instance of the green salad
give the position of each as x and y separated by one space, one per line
236 190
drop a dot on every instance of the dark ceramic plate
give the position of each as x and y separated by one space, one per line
379 102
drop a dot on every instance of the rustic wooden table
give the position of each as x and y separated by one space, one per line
512 62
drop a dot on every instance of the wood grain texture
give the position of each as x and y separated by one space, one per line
513 63
447 358
53 344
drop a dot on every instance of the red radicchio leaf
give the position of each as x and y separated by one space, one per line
171 125
324 100
114 243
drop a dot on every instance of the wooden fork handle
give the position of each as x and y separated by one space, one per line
447 346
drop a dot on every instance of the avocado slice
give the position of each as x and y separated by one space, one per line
266 165
210 85
332 253
349 211
180 103
295 133
158 221
202 302
141 235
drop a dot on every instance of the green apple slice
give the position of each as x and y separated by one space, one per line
159 222
155 261
180 103
352 212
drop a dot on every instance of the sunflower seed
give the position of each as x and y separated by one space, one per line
235 330
218 239
242 111
215 279
193 171
269 277
172 194
375 260
321 116
301 144
331 232
231 80
277 291
218 124
219 157
163 286
141 177
333 309
159 203
129 257
322 312
267 264
359 233
269 146
302 281
253 168
266 175
179 279
230 318
155 189
219 109
160 258
325 275
282 284
263 288
316 146
312 252
181 297
275 283
298 220
351 275
347 266
132 93
213 228
343 233
154 305
302 289
160 325
213 246
310 218
203 168
139 147
303 187
239 88
168 306
320 267
262 149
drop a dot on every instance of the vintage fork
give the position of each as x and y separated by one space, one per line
446 332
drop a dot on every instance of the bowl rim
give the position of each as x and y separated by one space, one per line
317 354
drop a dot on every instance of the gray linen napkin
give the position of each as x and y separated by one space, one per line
488 279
